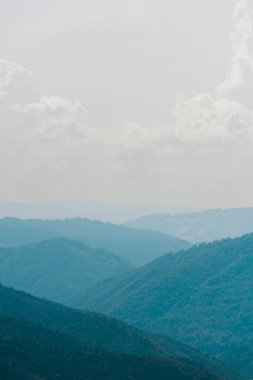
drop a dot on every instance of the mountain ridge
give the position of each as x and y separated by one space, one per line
58 269
53 324
202 297
136 246
200 226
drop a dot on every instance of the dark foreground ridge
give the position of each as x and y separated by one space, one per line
41 339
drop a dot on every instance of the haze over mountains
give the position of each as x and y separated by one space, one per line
58 269
199 295
40 339
200 226
203 297
136 246
114 213
184 222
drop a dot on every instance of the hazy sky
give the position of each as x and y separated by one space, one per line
127 101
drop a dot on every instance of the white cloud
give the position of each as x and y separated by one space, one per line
239 84
45 117
226 115
48 138
12 74
206 122
216 119
47 132
206 119
202 119
55 117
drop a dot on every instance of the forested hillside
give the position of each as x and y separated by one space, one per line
48 339
57 269
39 353
203 297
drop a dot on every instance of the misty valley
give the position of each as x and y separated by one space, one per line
85 299
126 190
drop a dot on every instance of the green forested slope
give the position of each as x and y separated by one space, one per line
38 334
57 269
203 297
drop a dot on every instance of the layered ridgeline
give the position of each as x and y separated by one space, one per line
28 351
203 297
41 339
136 246
58 269
201 226
114 213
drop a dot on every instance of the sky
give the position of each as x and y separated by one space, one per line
129 102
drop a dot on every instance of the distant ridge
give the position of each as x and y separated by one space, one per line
105 212
200 226
136 246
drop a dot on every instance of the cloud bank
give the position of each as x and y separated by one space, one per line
48 137
226 115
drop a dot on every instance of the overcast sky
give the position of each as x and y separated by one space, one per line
127 101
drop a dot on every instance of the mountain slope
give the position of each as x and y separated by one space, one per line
28 351
136 246
201 226
92 332
203 297
57 269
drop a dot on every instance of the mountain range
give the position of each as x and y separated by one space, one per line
107 212
200 226
170 290
202 297
136 246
